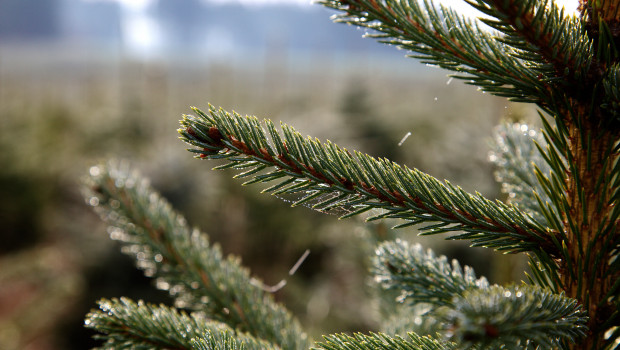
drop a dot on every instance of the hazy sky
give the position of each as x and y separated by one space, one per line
141 32
570 5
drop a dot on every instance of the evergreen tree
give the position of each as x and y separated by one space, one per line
562 185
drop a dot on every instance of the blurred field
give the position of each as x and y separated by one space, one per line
64 109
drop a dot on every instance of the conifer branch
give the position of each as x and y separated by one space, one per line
374 341
601 20
517 159
130 325
359 183
440 36
500 317
472 311
531 166
422 277
611 104
182 260
226 340
403 319
556 44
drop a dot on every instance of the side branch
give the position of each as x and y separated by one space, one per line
138 325
184 262
444 38
539 26
333 178
555 46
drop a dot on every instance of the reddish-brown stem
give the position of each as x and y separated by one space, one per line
588 281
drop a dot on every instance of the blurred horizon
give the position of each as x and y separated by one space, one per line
169 30
213 29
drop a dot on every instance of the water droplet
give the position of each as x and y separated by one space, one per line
153 197
161 284
94 171
105 306
116 234
507 294
436 98
158 257
94 201
145 264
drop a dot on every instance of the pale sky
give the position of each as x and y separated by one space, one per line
142 32
569 5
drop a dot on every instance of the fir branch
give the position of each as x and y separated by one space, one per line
517 158
440 36
553 44
474 313
359 183
130 325
420 276
611 104
530 168
499 317
227 340
544 273
182 260
375 341
404 319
